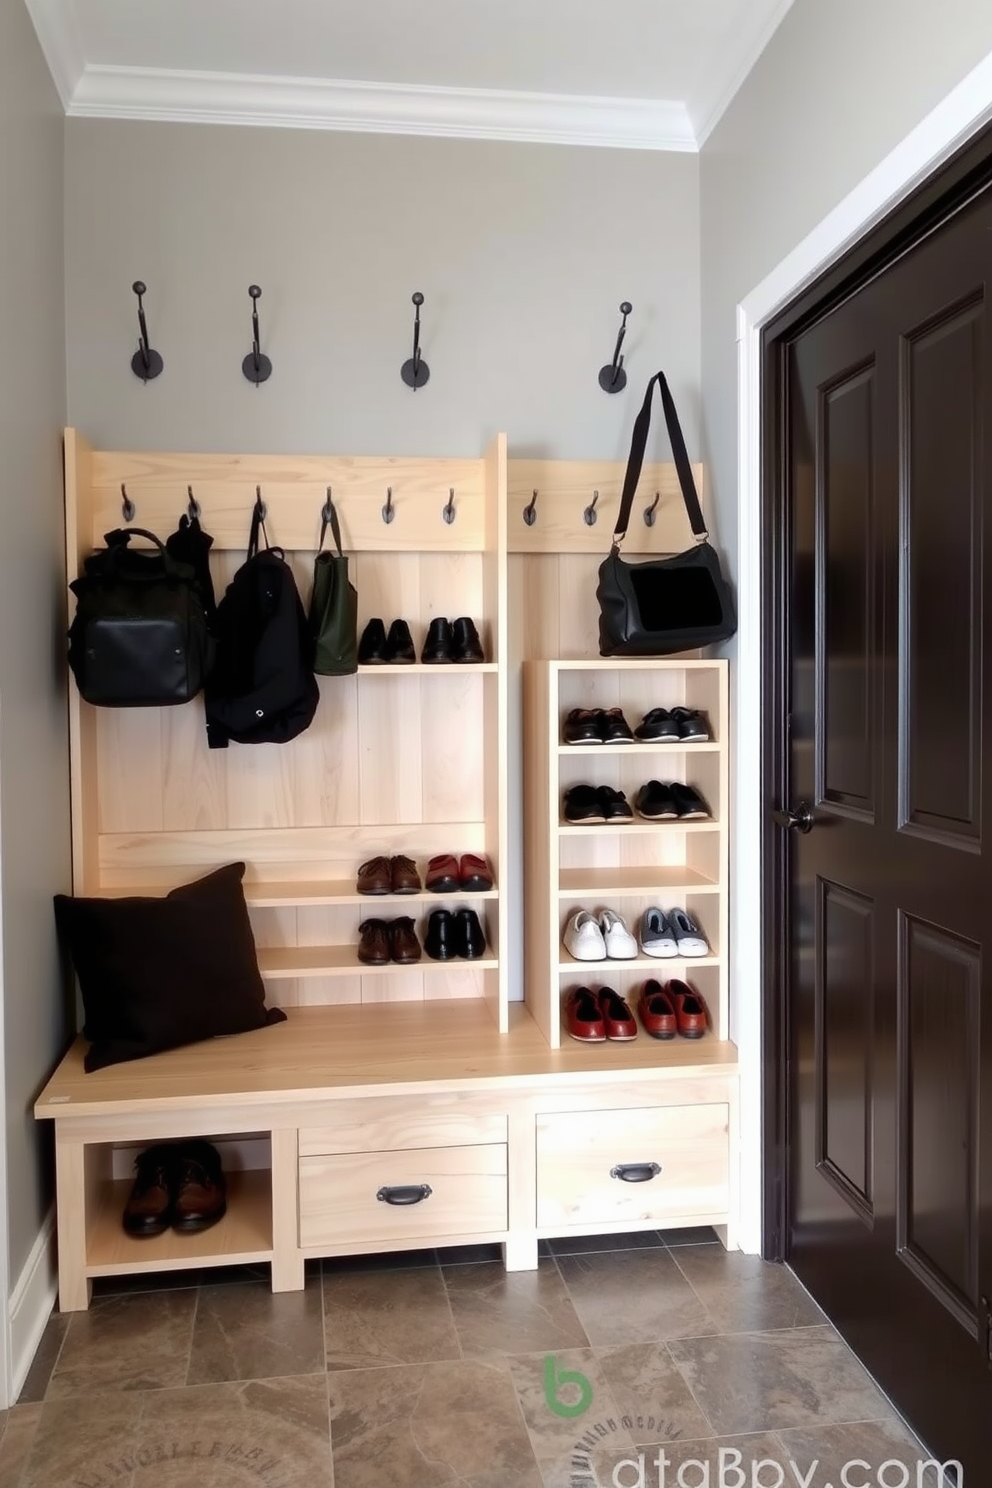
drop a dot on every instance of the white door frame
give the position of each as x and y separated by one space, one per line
964 111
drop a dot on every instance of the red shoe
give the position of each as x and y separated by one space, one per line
475 874
618 1020
583 1020
691 1012
442 874
657 1011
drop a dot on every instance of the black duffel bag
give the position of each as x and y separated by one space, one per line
139 638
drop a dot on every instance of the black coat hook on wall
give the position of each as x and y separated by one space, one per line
590 515
256 366
649 511
416 372
145 363
389 510
612 378
192 505
128 509
448 511
530 510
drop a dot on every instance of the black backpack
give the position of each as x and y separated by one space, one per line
262 689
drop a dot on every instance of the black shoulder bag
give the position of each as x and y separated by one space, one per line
664 604
333 617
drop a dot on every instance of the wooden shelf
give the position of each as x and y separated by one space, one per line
582 883
342 960
244 1234
431 669
659 746
567 966
644 1051
342 891
638 825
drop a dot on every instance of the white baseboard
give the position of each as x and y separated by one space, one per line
31 1304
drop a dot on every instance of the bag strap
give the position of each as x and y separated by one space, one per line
329 517
257 522
635 462
117 549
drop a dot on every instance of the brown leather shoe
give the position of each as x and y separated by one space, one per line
691 1012
474 873
373 944
375 877
583 1018
618 1020
657 1011
148 1210
200 1187
403 942
442 874
404 876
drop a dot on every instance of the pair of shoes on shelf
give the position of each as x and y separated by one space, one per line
589 805
382 875
382 941
592 1016
596 726
454 642
677 725
675 1008
454 933
599 937
179 1184
447 874
376 648
673 934
657 801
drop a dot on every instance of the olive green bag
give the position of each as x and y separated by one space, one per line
333 606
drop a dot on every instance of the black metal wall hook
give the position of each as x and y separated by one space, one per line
649 511
389 510
590 515
192 505
128 509
448 511
260 506
530 510
256 366
145 363
327 510
416 372
612 378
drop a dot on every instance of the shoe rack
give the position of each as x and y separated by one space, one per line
626 866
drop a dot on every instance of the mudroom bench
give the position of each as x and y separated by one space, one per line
380 1127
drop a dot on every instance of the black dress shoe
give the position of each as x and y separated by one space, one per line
470 938
200 1187
399 643
148 1210
583 805
614 803
440 940
437 646
465 643
372 646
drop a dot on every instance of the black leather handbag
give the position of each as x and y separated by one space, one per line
663 605
139 637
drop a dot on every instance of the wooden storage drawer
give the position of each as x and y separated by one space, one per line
339 1201
390 1123
579 1153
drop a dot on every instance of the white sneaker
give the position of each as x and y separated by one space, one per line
688 937
620 944
583 938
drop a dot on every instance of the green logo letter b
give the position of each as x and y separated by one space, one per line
553 1381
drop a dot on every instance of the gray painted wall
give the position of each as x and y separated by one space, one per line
34 797
837 88
523 252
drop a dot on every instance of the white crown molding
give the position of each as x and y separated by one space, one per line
58 33
379 108
728 69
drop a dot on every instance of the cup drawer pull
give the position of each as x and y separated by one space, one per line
410 1193
635 1172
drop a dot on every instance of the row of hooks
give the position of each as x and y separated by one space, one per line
415 373
448 512
589 513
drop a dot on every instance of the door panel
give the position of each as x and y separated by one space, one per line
888 413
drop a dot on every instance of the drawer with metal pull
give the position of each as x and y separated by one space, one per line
417 1194
645 1165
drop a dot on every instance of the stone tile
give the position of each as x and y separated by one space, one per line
249 1332
139 1342
562 1245
254 1434
393 1260
19 1429
570 1449
85 1441
766 1381
873 1442
654 1401
45 1358
395 1317
696 1462
635 1296
743 1293
517 1312
691 1235
430 1426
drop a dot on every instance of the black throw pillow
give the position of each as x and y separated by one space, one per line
157 973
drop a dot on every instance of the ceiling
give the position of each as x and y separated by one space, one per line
643 73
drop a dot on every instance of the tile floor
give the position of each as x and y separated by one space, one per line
668 1360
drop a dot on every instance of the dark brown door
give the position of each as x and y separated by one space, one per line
888 423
